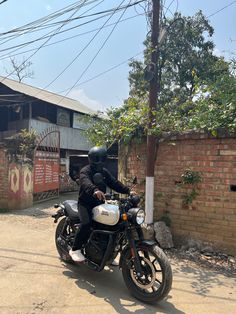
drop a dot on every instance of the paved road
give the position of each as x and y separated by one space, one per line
33 280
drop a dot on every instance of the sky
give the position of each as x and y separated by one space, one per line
113 45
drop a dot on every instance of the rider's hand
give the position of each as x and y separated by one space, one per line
100 195
132 193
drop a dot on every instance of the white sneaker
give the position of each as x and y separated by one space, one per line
114 263
77 256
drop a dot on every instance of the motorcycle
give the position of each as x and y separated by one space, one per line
116 229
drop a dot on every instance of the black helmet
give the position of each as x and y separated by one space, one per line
97 157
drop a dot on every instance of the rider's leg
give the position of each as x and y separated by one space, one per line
82 234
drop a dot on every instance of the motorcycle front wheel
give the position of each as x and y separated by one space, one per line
156 281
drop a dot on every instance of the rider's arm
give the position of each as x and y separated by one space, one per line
115 184
86 183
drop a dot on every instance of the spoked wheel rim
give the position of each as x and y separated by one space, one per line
152 278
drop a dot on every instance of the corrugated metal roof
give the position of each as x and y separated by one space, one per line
46 96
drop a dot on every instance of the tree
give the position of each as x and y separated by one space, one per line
197 88
21 70
215 106
187 51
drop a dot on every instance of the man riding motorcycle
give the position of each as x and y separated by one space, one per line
91 194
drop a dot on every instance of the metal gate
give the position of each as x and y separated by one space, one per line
47 165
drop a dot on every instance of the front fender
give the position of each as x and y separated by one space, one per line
138 243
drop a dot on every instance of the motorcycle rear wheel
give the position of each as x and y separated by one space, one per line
149 287
64 254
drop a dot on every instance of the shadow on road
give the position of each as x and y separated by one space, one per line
202 280
109 286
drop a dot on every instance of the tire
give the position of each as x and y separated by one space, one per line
138 289
64 253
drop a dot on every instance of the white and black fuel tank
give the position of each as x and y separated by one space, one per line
107 214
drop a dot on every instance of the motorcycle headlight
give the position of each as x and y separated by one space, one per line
140 217
136 215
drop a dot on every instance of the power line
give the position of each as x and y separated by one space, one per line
58 29
106 71
84 82
36 27
47 35
46 18
81 51
3 1
90 63
7 56
225 7
38 22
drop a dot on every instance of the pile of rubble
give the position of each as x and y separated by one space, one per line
194 251
205 256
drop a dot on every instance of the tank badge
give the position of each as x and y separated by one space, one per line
104 213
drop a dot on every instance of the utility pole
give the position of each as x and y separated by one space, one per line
153 92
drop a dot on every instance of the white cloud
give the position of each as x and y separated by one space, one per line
217 52
80 95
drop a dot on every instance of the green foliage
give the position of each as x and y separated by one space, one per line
186 52
197 89
215 106
22 145
122 123
190 178
188 198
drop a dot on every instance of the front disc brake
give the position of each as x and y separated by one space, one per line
143 282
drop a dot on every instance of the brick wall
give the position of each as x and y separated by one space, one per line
211 217
3 178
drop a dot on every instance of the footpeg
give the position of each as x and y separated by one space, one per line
91 265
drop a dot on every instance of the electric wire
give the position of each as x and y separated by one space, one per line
37 27
3 1
117 22
218 11
42 21
19 46
58 29
106 71
84 48
99 50
124 62
110 69
84 82
7 56
46 36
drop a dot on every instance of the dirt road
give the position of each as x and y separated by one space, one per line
33 280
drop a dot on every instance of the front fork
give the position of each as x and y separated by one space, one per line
133 249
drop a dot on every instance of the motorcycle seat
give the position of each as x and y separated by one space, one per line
71 209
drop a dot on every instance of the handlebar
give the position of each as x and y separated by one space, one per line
132 199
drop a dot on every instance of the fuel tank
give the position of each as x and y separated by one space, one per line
107 214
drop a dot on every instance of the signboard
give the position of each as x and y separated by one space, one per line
46 172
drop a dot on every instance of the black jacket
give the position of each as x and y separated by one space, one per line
87 186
